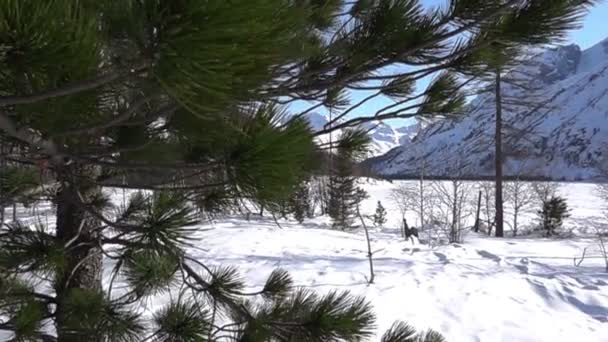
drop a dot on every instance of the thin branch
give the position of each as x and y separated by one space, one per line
72 88
94 129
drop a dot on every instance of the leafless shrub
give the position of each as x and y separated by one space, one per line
319 195
488 211
601 231
449 202
544 191
521 198
411 197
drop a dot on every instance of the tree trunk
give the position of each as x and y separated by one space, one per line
422 195
515 222
76 229
454 229
478 212
498 160
370 254
2 178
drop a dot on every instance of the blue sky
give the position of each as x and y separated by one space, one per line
595 27
593 30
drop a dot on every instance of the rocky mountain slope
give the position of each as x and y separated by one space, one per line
555 125
383 136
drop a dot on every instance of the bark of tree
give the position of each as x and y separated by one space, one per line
370 254
455 218
76 229
2 185
498 160
478 212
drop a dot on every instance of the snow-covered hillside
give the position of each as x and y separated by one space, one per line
561 132
383 136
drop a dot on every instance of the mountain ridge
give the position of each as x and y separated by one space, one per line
384 137
564 138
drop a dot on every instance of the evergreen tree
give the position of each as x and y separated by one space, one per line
531 23
342 200
301 202
380 215
181 96
344 195
552 215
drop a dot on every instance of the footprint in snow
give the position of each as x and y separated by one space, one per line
412 251
488 255
442 257
523 268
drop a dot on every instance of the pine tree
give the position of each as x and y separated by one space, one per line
300 202
342 201
380 215
344 195
176 97
171 97
552 215
532 23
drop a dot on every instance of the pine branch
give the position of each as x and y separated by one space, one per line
121 118
26 136
74 88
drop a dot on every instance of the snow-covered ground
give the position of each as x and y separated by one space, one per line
486 289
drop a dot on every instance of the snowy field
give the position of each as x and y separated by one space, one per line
486 289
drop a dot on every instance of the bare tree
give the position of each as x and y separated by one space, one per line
487 204
601 231
601 191
319 194
451 206
521 197
421 188
413 196
401 196
602 246
544 190
370 254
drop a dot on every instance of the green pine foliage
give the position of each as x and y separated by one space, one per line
18 185
187 100
552 215
403 332
344 194
380 215
300 202
342 199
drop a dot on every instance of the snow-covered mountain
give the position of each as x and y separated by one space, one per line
558 131
383 136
